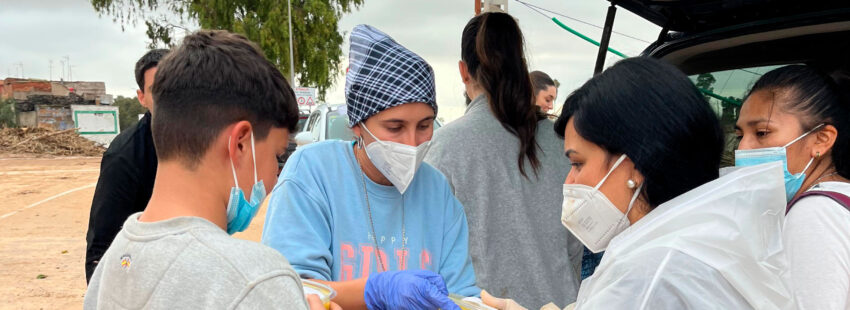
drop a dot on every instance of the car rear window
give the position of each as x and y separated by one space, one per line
733 85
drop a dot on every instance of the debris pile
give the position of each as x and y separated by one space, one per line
44 141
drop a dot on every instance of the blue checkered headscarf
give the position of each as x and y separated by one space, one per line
383 74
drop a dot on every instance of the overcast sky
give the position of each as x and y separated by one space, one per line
35 32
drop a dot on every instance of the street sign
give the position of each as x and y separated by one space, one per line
306 96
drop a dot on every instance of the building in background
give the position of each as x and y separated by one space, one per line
62 105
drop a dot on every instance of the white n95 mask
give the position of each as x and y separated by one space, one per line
396 161
591 217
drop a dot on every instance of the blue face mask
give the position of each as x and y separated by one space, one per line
240 211
793 182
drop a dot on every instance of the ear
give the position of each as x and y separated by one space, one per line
239 141
824 140
635 175
358 132
141 97
464 72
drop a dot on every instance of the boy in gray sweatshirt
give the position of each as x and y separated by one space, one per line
223 114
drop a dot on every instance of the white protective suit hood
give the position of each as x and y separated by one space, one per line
716 246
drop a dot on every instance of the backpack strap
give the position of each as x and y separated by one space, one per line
841 199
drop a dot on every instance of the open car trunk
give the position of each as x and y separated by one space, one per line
709 35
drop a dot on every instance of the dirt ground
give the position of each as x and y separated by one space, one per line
44 215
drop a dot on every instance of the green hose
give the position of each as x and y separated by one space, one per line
594 42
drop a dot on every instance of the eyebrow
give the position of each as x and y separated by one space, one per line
753 123
757 121
396 120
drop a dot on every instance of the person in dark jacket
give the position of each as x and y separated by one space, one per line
127 171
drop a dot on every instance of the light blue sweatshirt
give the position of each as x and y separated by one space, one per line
319 220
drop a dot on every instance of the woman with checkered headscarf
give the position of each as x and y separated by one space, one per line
368 217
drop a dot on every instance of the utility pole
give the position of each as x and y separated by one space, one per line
62 77
291 57
21 65
70 73
67 63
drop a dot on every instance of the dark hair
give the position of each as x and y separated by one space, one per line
149 60
665 127
492 48
541 81
816 98
213 79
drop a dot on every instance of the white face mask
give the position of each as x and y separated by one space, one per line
397 162
591 217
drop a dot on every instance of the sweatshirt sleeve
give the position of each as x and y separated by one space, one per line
298 225
279 292
456 266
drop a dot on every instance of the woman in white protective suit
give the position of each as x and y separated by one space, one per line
645 148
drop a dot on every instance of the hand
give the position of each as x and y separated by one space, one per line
409 289
500 303
315 303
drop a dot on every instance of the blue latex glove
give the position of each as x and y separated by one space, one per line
408 289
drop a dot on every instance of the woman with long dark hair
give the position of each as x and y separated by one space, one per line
644 188
801 116
504 163
545 90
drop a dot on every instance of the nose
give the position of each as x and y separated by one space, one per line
409 137
746 143
571 179
423 136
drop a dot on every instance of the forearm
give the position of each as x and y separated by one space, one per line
349 294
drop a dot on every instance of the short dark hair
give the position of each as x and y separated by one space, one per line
817 98
541 81
213 79
149 60
665 127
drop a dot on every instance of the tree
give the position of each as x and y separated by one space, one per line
317 51
7 113
704 81
129 109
